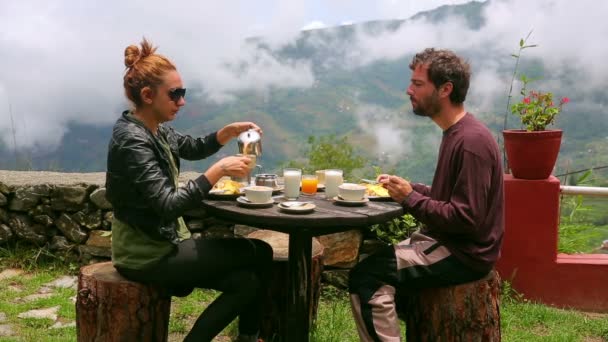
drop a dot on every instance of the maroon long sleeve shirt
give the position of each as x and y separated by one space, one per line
463 210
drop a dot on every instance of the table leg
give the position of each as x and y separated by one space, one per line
299 282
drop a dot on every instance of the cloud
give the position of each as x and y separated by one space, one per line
314 25
62 61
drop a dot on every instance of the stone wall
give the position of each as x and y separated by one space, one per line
68 212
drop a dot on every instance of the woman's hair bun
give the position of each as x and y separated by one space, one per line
132 55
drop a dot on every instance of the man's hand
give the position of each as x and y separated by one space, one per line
234 129
398 188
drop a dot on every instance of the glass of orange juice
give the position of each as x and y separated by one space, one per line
309 185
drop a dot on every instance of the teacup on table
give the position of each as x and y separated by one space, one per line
351 191
258 194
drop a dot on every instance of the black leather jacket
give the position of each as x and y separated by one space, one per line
140 183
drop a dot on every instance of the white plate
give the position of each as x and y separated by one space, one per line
294 207
342 201
245 203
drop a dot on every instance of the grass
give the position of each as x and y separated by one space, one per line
521 320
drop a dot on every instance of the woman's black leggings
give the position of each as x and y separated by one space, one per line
239 268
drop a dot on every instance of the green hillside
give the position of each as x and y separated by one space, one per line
366 103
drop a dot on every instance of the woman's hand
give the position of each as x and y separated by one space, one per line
234 129
229 166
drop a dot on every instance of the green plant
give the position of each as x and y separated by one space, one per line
396 230
330 152
575 232
537 109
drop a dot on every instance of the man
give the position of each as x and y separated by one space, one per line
461 214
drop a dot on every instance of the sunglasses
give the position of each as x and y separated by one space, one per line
177 93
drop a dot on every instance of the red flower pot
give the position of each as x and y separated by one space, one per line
532 155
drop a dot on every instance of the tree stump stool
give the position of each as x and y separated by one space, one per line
112 308
466 312
275 314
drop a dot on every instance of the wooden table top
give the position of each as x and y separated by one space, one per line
326 217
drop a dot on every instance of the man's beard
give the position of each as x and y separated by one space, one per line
428 106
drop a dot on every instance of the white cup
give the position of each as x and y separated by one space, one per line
292 179
351 191
258 194
333 179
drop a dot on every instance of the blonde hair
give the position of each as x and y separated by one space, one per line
144 69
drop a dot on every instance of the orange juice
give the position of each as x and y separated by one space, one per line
309 184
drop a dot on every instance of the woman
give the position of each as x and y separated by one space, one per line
150 241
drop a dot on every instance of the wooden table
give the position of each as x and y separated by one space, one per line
327 218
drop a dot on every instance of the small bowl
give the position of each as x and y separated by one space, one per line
258 194
351 191
266 179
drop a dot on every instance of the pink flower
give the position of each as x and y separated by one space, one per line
565 100
527 100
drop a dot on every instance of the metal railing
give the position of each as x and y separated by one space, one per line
584 190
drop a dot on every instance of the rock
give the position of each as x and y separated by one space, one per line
6 234
341 249
42 209
89 219
71 229
36 296
6 330
27 198
218 232
105 225
243 230
4 189
65 282
15 288
10 273
60 244
2 317
48 313
45 289
97 238
68 198
98 197
45 220
4 216
337 278
3 200
196 225
25 229
87 251
59 325
108 216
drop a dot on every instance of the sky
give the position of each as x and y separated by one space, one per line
62 61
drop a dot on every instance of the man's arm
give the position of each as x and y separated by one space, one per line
423 189
467 206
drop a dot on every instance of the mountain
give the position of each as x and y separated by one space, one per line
365 101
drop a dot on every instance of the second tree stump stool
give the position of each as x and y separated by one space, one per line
275 313
466 312
112 308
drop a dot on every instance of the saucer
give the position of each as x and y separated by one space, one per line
296 208
341 201
245 203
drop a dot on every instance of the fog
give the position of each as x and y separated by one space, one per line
62 61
